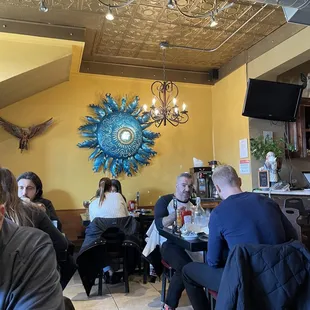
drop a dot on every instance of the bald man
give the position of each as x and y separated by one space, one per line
241 218
28 270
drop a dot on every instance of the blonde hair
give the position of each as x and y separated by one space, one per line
105 185
225 175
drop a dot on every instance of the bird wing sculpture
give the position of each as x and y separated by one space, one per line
24 134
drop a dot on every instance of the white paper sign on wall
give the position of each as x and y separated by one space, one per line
243 148
244 166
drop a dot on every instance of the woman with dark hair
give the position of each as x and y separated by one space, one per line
117 187
30 186
27 214
108 204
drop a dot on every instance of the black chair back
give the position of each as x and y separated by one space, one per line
114 238
295 203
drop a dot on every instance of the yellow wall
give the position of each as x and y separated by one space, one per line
229 126
64 168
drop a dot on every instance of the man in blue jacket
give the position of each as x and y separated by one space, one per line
241 217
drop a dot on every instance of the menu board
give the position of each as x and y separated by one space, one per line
263 179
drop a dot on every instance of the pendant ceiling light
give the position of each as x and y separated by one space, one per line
165 106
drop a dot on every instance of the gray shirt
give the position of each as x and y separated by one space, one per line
28 270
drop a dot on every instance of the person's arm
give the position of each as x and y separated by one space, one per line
216 243
50 210
36 285
59 241
161 214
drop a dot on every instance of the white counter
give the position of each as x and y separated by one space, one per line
279 193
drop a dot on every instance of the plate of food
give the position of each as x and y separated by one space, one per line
189 235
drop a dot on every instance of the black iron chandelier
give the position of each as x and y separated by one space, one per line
165 106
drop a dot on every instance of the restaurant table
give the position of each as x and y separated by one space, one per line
195 245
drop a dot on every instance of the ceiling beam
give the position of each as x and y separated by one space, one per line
42 30
147 72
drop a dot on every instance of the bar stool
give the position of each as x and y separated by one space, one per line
167 275
212 295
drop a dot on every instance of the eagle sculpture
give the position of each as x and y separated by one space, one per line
24 134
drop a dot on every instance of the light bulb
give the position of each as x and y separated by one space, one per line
174 101
214 22
43 8
156 112
109 15
170 4
176 110
153 101
145 107
184 106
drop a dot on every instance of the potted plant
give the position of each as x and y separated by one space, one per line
260 146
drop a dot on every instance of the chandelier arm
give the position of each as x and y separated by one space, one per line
226 40
158 90
116 6
171 122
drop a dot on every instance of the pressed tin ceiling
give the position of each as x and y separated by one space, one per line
133 37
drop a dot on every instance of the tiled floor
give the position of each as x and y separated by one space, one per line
140 297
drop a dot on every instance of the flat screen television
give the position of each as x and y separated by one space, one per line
272 100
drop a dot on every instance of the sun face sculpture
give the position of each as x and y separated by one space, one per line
118 136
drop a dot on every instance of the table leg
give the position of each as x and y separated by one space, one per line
204 256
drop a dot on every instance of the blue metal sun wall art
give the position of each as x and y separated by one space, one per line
119 136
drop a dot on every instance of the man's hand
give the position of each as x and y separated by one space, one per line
40 206
168 220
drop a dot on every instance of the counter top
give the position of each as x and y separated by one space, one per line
291 193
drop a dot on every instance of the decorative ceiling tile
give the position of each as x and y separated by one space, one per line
137 29
127 53
158 3
148 12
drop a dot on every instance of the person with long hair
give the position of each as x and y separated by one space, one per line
26 213
30 186
28 268
108 204
117 187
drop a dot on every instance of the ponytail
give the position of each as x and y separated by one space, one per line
105 185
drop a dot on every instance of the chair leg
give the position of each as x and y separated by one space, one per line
145 270
125 272
163 288
212 303
139 267
100 283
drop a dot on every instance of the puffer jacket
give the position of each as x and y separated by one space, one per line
266 277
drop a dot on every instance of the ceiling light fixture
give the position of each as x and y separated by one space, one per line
170 4
109 15
214 11
43 8
164 106
214 22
